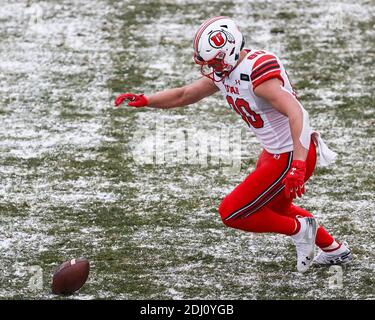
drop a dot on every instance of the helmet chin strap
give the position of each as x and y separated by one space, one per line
221 72
212 74
221 75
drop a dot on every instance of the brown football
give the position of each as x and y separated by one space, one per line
70 276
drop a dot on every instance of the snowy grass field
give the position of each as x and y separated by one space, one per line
78 178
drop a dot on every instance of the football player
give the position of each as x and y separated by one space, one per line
256 86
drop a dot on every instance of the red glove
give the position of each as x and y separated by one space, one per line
135 100
294 180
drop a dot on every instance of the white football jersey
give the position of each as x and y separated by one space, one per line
269 125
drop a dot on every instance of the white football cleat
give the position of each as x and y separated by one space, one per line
305 242
342 255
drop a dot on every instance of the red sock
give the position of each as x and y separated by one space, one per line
323 238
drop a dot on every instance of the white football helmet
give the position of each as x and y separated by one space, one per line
217 46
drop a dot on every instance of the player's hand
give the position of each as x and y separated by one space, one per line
294 180
135 100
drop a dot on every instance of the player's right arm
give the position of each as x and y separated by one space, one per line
171 98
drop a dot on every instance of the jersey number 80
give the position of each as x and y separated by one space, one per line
242 107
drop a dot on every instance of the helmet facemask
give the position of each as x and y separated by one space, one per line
215 66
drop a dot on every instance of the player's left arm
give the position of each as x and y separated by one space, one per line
282 100
272 90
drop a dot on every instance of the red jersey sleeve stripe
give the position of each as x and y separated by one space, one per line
263 59
264 68
264 63
267 76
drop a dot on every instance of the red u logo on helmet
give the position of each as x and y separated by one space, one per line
218 39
